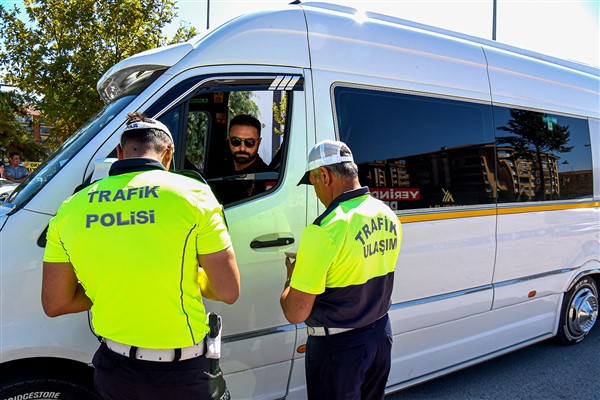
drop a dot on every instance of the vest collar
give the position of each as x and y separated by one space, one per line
134 165
350 194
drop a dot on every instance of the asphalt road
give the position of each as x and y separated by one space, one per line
545 371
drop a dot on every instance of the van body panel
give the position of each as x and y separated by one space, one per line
394 56
544 87
260 383
459 341
433 311
264 38
430 248
30 333
595 147
547 242
525 289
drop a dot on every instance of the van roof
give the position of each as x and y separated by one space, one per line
353 12
279 37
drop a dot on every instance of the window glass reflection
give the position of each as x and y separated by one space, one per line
542 156
419 152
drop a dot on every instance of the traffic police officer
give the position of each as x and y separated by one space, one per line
141 248
341 282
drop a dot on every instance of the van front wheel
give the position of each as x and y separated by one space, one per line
579 311
45 388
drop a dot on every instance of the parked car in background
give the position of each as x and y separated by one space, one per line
6 188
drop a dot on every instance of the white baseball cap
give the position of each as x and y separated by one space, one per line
148 124
324 153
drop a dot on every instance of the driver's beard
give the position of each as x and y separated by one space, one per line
251 157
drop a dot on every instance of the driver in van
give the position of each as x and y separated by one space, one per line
244 142
140 249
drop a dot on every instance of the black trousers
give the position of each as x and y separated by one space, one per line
350 365
117 377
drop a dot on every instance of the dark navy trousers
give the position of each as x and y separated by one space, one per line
117 377
350 365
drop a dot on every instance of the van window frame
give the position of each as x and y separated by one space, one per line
180 96
487 136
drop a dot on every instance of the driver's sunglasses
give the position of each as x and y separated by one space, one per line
237 142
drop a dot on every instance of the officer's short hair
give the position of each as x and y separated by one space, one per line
146 133
344 169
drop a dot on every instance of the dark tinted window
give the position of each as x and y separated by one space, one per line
417 151
542 156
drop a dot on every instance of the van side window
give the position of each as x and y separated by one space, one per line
418 152
542 156
231 186
200 123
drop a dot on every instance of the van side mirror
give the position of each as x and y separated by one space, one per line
101 168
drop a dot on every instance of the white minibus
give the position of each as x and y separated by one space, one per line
489 155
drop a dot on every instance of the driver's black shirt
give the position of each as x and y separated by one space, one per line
232 190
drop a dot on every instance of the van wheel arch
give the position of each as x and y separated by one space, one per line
57 378
579 311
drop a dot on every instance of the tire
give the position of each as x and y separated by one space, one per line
46 389
579 312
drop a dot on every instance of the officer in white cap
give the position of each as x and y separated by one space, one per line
341 282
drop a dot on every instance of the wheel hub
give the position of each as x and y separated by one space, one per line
583 312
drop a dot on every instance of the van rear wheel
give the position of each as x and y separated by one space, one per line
579 311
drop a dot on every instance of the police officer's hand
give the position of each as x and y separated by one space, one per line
289 264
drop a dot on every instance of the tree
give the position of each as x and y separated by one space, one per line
241 103
535 134
57 57
279 113
12 135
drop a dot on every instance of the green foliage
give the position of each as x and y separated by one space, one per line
279 113
183 34
12 135
241 103
197 130
58 56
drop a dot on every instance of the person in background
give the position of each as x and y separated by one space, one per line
341 282
1 170
15 172
140 248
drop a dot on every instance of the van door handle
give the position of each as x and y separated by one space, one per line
259 244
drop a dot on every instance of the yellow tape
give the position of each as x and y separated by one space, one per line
440 215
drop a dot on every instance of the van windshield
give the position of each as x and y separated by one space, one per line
44 173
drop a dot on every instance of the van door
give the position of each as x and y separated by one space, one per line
265 212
